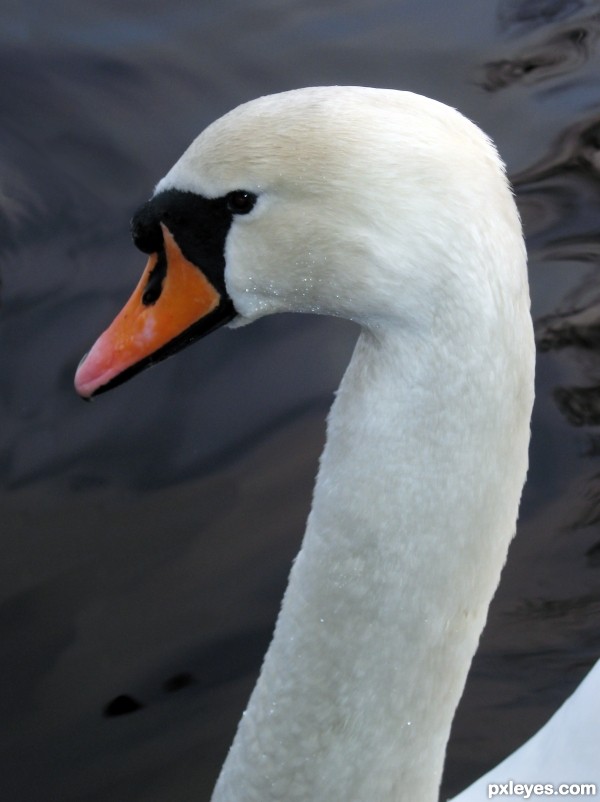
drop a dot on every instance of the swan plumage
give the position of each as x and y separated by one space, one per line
394 211
564 752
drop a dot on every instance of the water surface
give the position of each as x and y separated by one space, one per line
146 538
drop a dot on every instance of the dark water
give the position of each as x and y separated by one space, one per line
146 538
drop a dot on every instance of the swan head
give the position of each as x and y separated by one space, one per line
380 206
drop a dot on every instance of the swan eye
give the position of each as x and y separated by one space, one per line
240 202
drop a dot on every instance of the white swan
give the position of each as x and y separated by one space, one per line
563 754
394 211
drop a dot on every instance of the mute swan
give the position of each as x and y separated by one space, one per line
392 210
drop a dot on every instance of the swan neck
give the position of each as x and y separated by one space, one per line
390 590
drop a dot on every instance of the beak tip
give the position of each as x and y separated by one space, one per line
91 372
79 384
84 389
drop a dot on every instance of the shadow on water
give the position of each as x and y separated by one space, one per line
147 537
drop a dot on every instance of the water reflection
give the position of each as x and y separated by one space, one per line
518 16
558 55
559 196
123 573
560 200
576 153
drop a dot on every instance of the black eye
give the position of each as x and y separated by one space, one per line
240 202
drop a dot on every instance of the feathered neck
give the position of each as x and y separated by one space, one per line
414 508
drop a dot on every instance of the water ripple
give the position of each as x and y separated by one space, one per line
558 54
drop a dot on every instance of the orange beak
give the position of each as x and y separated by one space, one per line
173 304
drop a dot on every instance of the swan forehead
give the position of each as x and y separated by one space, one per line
311 139
263 144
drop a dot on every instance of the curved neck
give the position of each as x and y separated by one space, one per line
389 593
